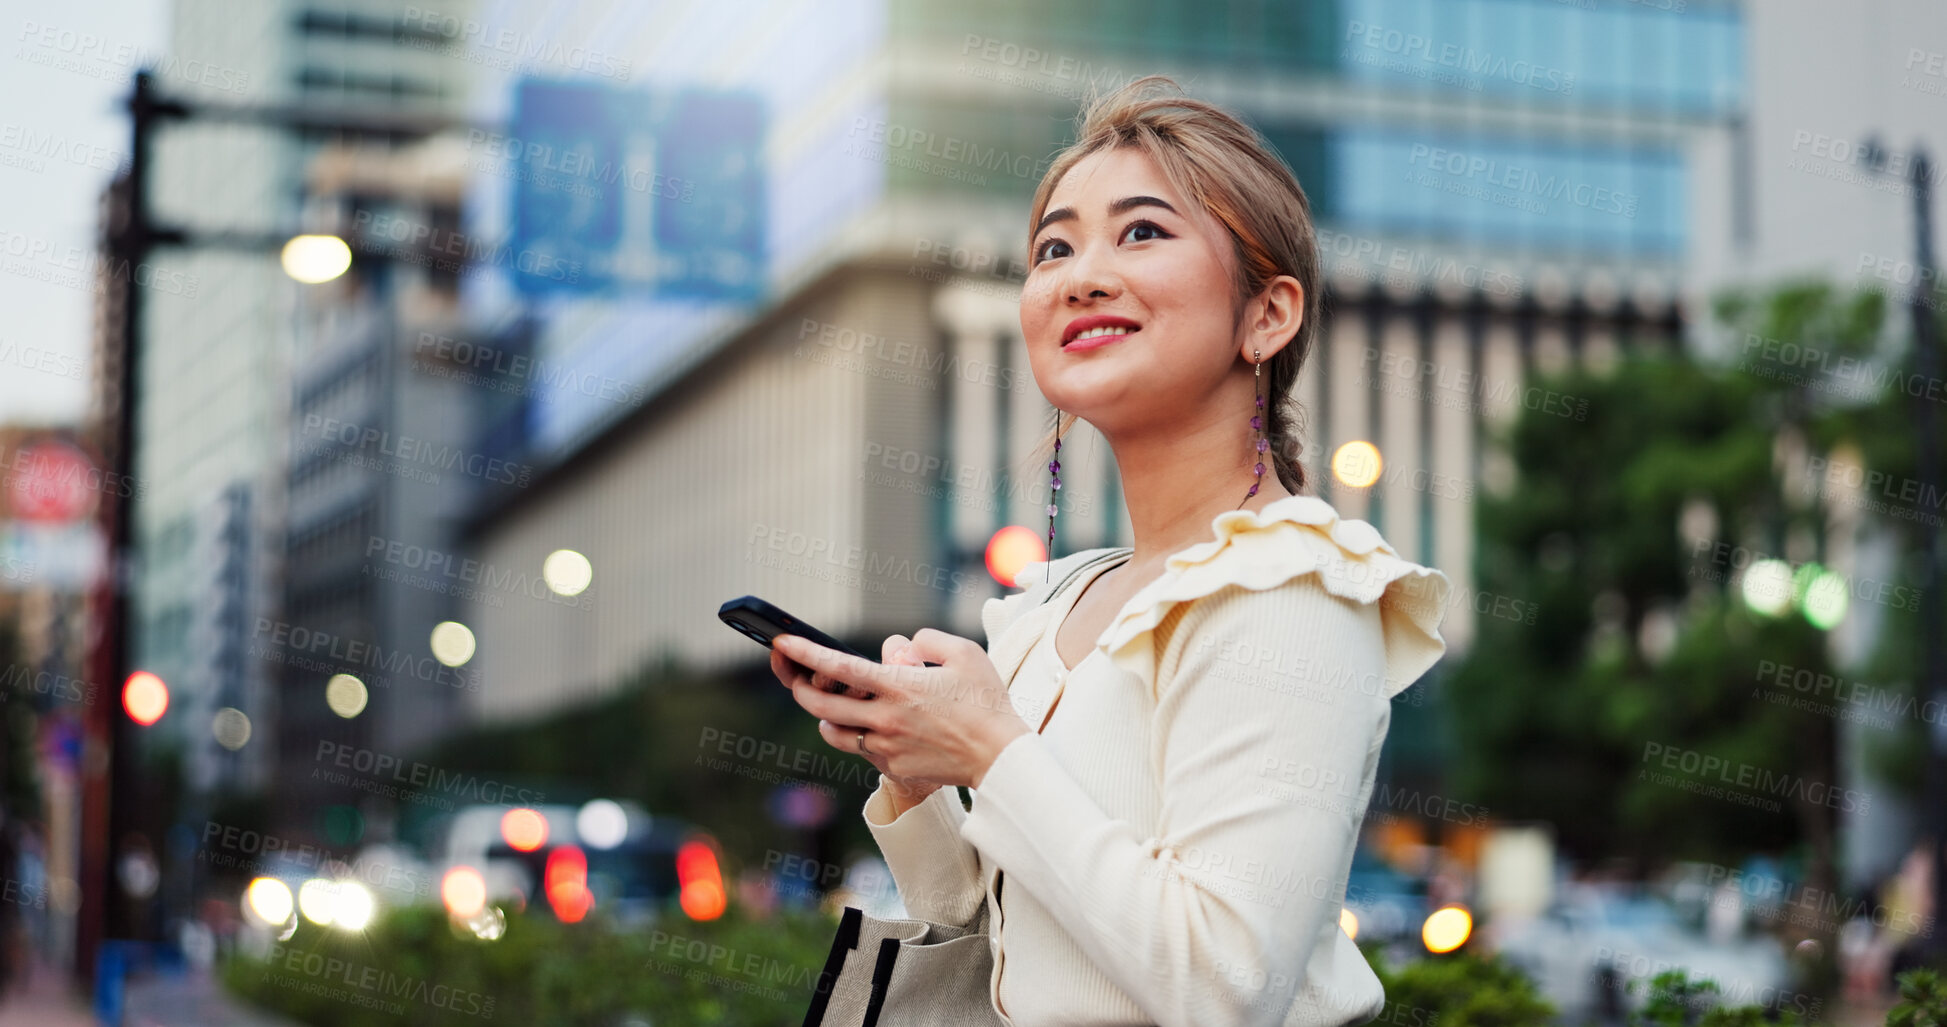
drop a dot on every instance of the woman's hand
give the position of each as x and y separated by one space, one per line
924 726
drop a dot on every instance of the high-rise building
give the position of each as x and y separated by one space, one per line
216 365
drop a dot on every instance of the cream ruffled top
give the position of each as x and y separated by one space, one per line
1177 837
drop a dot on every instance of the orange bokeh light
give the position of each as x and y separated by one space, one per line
1011 549
145 698
524 829
704 900
464 891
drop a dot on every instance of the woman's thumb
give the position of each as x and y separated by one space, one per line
897 649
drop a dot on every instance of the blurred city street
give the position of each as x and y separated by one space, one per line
397 398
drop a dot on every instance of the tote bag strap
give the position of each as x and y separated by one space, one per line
1000 877
844 941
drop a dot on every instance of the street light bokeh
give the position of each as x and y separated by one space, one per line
315 259
1356 464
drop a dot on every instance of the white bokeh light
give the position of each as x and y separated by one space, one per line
452 643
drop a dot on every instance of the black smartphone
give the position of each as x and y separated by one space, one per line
762 621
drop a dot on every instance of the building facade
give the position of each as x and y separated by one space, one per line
1502 188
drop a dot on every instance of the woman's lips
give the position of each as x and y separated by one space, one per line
1099 340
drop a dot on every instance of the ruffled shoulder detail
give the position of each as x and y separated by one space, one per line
1290 538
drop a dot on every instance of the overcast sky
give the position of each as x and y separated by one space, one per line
61 132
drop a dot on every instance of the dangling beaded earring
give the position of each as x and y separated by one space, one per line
1054 486
1257 425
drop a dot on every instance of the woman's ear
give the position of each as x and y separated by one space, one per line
1275 317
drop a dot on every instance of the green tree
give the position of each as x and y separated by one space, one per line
1635 714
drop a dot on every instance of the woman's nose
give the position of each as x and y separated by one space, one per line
1090 277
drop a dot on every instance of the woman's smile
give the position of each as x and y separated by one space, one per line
1097 330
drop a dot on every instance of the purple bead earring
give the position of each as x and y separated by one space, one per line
1257 426
1054 486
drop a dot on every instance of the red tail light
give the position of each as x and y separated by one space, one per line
566 883
701 878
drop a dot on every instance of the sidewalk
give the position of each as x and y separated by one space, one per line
191 1000
43 1000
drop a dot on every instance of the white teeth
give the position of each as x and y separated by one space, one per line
1105 330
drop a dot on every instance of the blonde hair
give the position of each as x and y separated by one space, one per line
1214 158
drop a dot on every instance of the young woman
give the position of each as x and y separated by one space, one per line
1173 755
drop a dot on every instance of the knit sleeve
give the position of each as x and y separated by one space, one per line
936 871
1241 876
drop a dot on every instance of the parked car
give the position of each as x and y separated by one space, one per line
633 866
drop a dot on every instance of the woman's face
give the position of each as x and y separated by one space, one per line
1119 250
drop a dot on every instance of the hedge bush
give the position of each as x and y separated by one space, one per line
411 968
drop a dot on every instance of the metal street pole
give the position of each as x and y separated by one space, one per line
109 738
1933 680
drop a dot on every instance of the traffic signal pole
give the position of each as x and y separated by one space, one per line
107 752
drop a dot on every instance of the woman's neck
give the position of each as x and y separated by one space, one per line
1171 510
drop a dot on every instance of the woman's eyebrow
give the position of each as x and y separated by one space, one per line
1126 203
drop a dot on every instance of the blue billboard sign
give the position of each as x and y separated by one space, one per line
651 192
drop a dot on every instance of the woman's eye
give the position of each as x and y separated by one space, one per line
1047 250
1145 225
